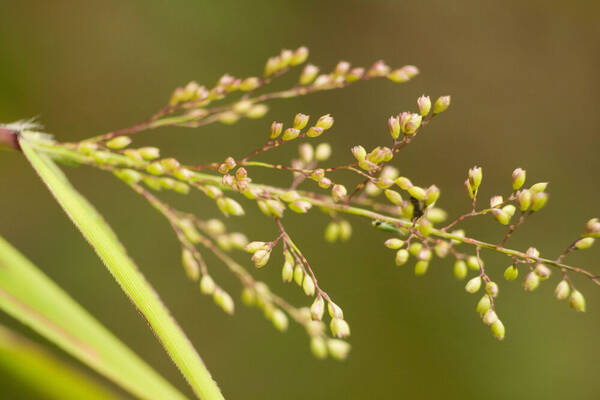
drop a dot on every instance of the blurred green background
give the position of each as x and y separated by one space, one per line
524 80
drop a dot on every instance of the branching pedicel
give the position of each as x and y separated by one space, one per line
408 211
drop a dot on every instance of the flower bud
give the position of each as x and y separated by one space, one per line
339 192
309 73
342 68
334 310
398 76
308 285
249 84
490 317
257 111
378 69
190 265
129 175
359 153
433 193
394 243
393 196
318 347
149 153
317 309
155 168
509 209
533 252
511 273
300 206
299 56
496 201
441 104
339 328
253 247
345 230
473 285
421 267
401 257
355 74
469 189
224 300
394 127
518 178
298 275
524 199
275 208
261 258
325 121
300 121
460 269
498 330
409 123
207 285
562 290
539 187
280 320
289 196
290 134
324 182
532 281
474 263
415 248
492 288
119 142
501 216
538 200
577 301
287 272
475 177
323 151
484 304
314 131
584 243
542 271
276 128
338 348
592 228
424 105
417 192
404 183
332 232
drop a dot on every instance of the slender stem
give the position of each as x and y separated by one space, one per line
127 274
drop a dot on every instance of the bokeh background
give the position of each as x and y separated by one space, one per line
524 80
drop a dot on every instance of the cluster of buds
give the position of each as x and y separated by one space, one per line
300 122
261 252
295 202
226 205
136 158
287 58
532 199
370 161
422 252
239 181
